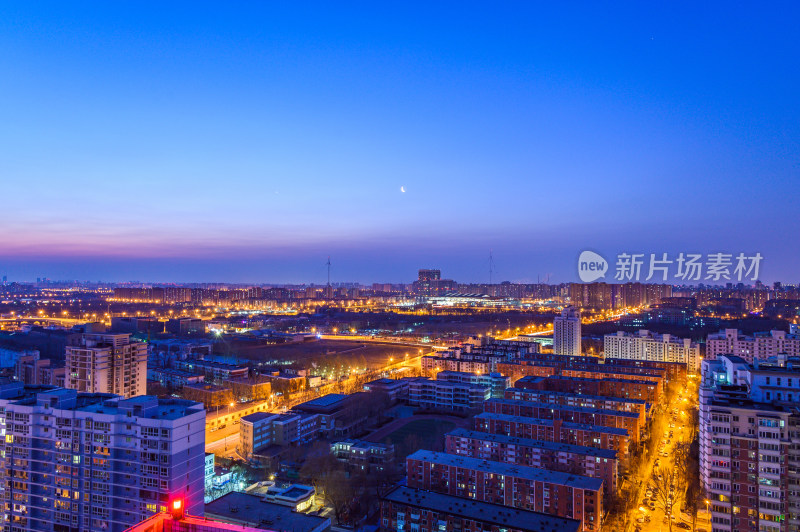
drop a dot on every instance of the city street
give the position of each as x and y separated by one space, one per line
649 516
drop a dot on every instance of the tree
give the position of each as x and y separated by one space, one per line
337 491
664 490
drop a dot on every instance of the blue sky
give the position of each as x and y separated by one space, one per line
208 142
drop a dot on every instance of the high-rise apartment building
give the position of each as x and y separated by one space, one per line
107 363
750 444
567 332
76 462
649 346
758 346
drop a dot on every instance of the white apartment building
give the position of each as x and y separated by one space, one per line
567 332
76 462
758 346
108 363
446 395
444 363
645 345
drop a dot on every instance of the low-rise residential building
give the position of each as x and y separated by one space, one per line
496 382
173 378
211 395
256 433
445 395
637 406
341 415
296 428
525 368
434 364
645 390
245 389
364 455
214 372
407 508
578 459
395 389
551 492
629 421
554 430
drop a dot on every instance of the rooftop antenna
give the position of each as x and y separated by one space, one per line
491 266
329 269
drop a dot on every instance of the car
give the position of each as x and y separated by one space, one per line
640 519
683 526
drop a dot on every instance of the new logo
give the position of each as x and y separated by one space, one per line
591 266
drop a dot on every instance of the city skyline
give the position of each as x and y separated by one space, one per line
247 145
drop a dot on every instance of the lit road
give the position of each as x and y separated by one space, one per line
657 522
224 440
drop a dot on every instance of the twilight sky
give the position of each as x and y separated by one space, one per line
210 142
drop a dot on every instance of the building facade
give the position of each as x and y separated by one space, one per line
749 348
364 455
76 461
567 332
496 382
645 345
406 508
750 444
578 459
446 395
560 494
107 363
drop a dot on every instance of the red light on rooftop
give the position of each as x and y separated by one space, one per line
177 509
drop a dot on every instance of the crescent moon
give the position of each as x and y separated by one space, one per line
403 189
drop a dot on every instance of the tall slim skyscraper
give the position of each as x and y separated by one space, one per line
108 363
567 332
72 461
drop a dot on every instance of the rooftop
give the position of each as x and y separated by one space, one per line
258 416
553 406
253 511
502 468
166 523
549 422
603 379
524 391
503 516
